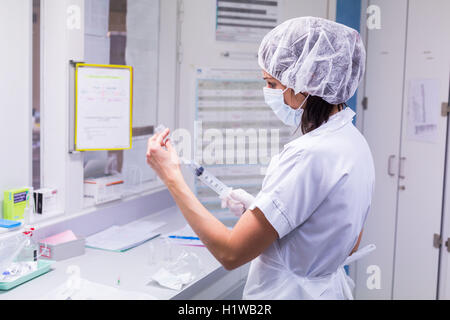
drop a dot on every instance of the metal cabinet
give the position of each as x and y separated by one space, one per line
407 209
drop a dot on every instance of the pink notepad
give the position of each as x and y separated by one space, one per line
59 238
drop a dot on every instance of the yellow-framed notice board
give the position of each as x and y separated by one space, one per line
103 107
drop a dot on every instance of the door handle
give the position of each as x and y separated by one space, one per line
390 172
401 174
445 109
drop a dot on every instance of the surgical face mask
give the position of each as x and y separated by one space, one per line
275 99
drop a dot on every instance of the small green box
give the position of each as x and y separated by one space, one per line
14 203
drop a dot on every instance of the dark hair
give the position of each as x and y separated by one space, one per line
316 112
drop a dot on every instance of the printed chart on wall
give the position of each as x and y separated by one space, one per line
423 109
236 133
245 20
103 107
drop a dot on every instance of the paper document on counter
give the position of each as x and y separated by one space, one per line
122 238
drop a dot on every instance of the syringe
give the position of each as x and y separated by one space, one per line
209 179
202 174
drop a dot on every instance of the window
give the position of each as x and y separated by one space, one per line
125 32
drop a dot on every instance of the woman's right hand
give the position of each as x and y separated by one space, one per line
238 201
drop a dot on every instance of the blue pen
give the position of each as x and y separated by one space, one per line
182 237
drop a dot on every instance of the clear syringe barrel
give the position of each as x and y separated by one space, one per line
209 179
203 175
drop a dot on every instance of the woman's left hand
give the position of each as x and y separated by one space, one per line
162 157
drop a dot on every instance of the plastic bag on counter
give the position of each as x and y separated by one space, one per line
176 266
10 249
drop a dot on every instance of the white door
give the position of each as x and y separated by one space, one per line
444 267
384 83
420 202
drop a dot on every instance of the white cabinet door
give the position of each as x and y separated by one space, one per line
384 83
444 267
420 203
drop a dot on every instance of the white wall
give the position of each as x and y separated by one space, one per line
199 48
167 63
15 93
60 44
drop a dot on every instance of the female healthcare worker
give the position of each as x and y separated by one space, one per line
306 222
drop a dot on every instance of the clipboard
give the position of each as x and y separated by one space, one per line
102 107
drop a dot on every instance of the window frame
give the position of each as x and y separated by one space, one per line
59 168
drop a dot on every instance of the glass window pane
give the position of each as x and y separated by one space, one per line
125 32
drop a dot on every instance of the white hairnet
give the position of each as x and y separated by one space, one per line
315 55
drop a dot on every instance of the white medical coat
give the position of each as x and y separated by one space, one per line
316 194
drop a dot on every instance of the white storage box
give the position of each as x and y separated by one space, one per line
104 189
45 200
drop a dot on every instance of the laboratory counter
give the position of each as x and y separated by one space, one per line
132 270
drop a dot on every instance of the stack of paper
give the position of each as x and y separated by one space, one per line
122 238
